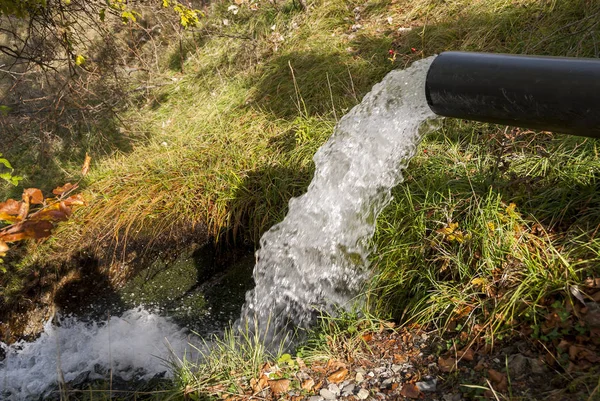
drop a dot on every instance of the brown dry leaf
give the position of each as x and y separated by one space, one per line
467 355
400 359
65 188
334 364
24 209
447 364
498 379
27 230
11 207
573 351
50 215
409 390
78 200
308 384
3 248
338 376
263 382
367 337
280 386
300 363
34 196
86 164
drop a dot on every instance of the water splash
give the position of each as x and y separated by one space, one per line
317 257
137 345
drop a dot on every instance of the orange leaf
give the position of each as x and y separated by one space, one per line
27 230
308 384
34 195
279 386
75 200
86 165
50 215
24 209
10 207
338 376
409 390
65 188
3 248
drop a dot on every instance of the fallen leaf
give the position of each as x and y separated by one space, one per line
280 386
10 207
3 248
467 355
75 200
65 188
338 376
308 384
409 390
400 358
367 337
34 195
447 364
86 165
300 363
499 379
27 230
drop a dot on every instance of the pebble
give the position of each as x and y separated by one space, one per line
327 394
427 386
315 398
334 389
348 390
360 377
362 394
396 368
387 383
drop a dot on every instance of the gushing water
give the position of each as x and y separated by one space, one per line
139 345
316 258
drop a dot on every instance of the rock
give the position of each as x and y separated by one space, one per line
362 394
315 398
592 317
396 368
360 377
327 394
427 386
334 389
348 390
387 383
519 365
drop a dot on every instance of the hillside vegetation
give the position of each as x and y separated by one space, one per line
494 232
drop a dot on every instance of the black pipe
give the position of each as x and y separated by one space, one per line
547 93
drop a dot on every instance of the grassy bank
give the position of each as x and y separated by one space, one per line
494 230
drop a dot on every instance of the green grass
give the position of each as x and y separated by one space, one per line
509 258
230 140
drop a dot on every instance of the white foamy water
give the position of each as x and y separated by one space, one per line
317 257
137 344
